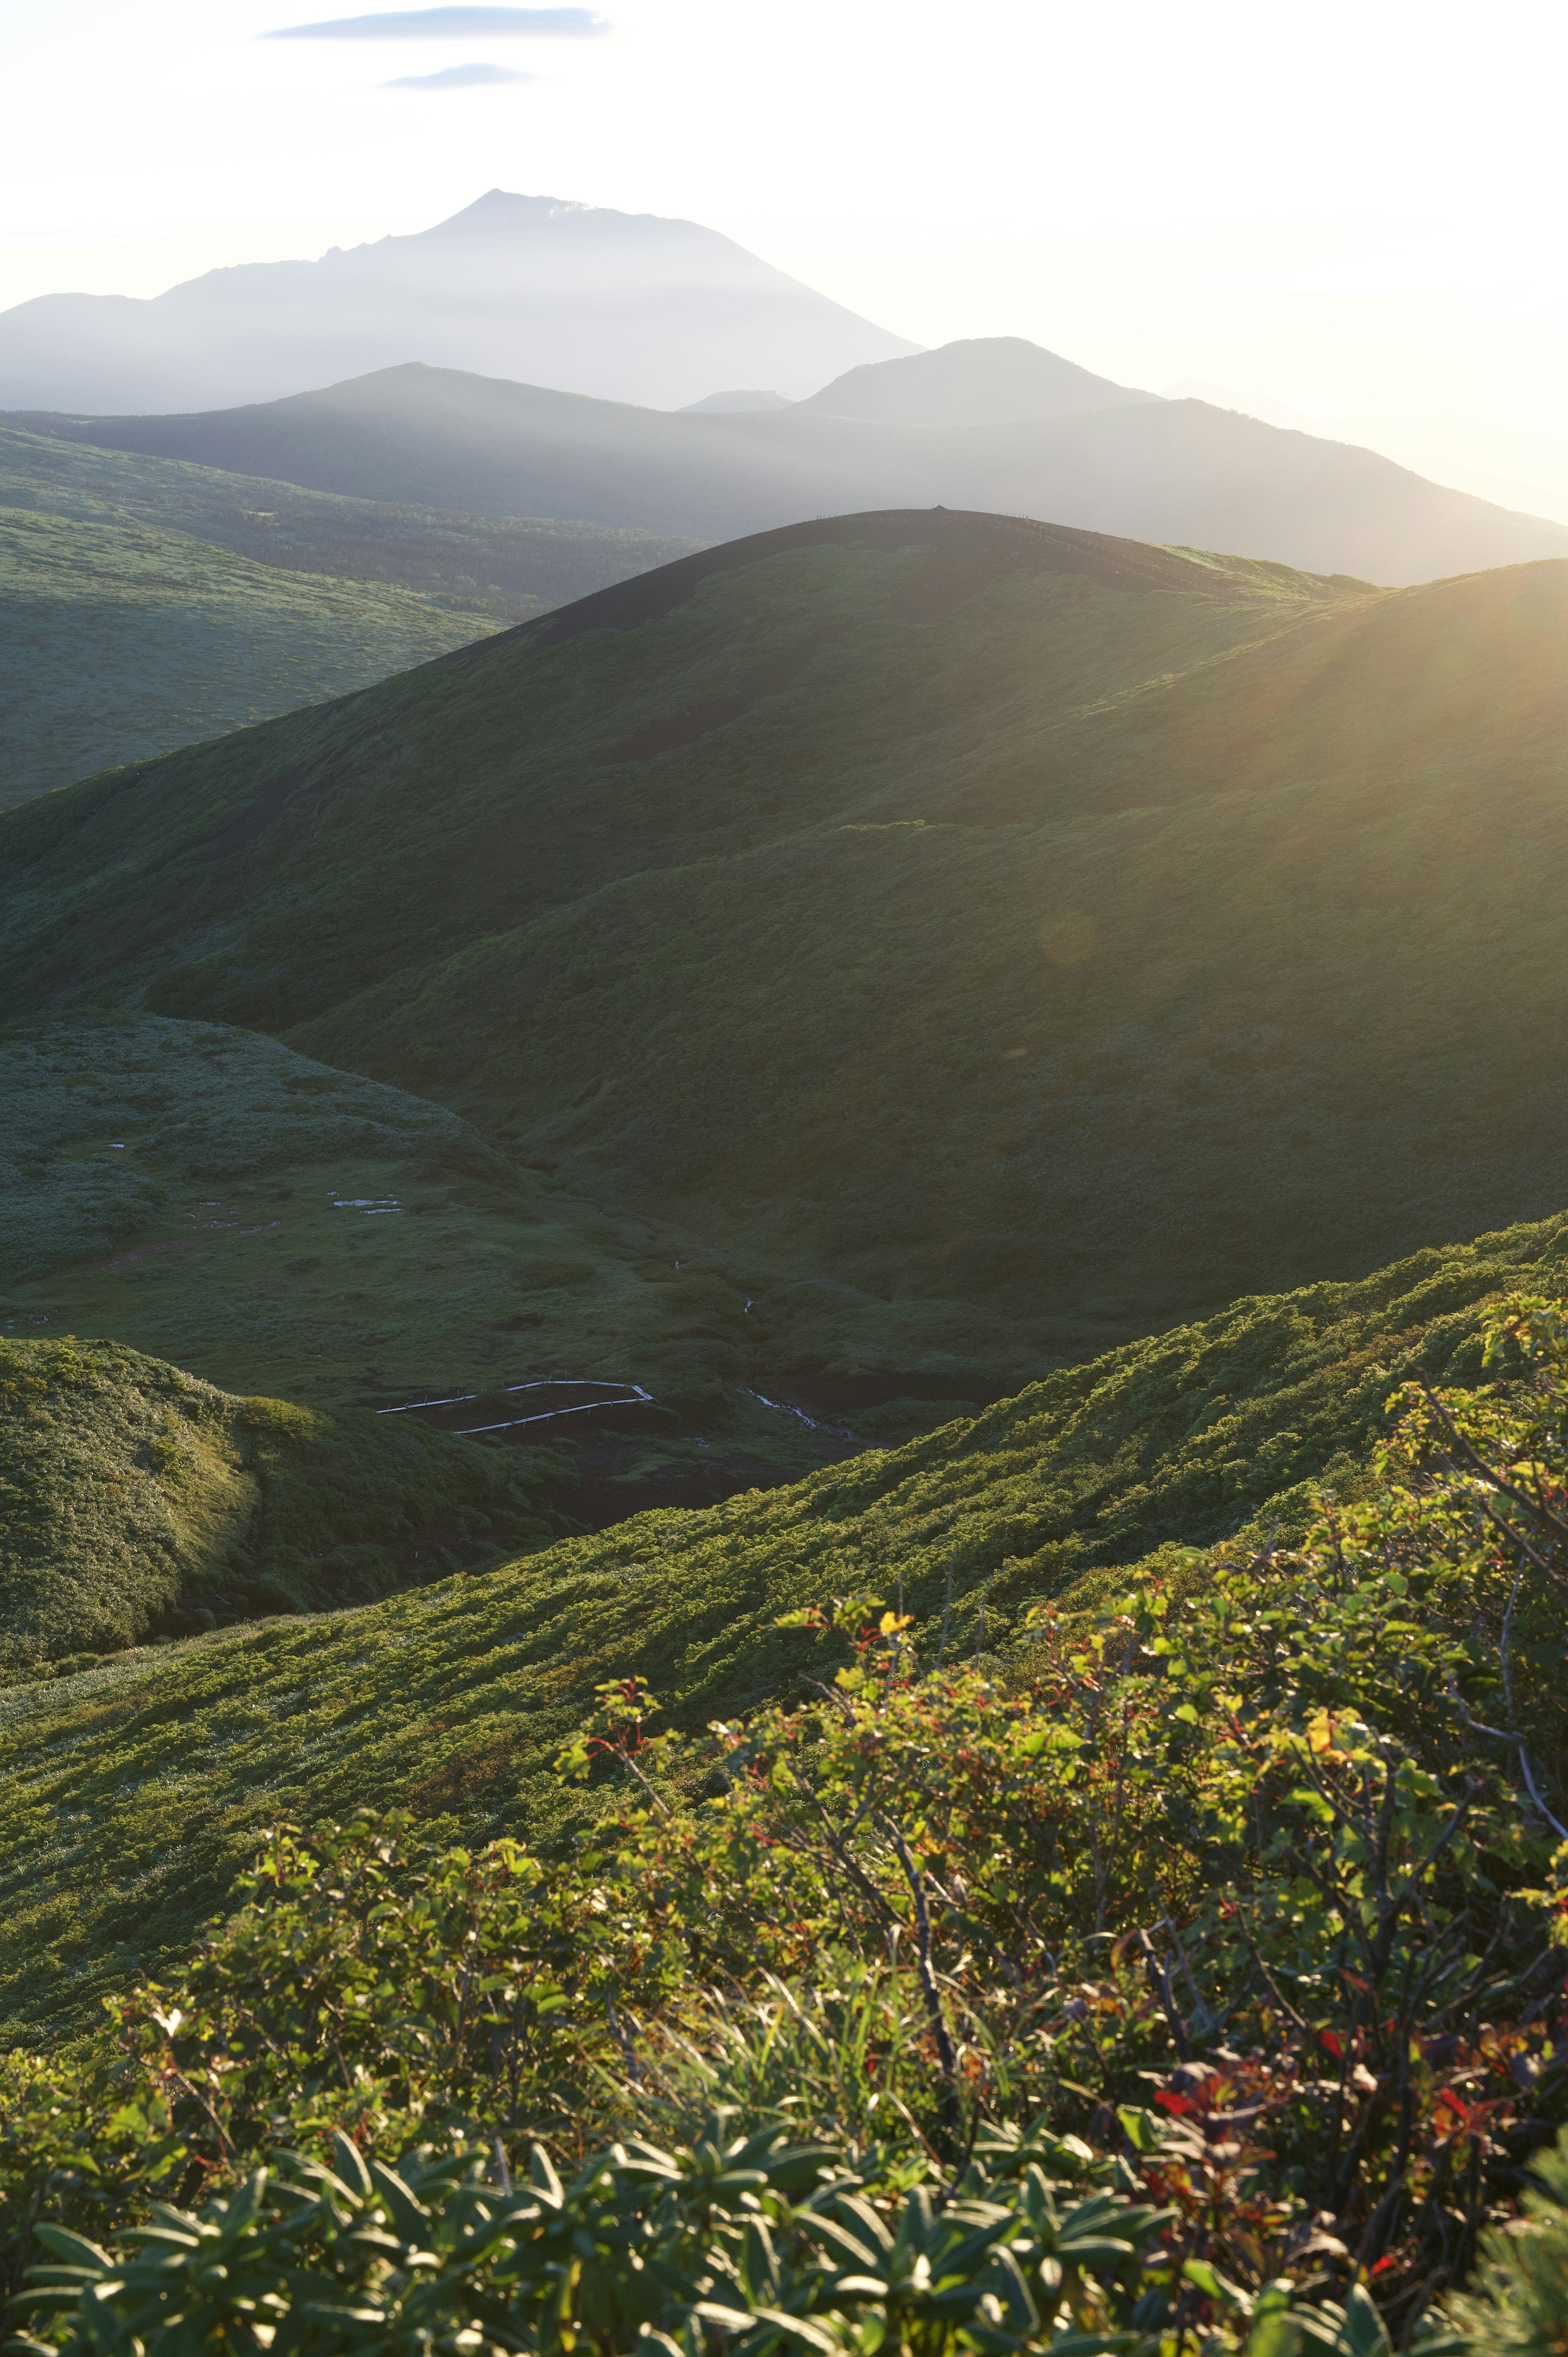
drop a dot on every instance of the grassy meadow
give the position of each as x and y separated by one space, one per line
207 1195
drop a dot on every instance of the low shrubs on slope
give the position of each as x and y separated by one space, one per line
138 1498
133 1794
1189 1978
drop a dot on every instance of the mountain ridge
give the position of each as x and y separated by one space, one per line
1169 473
614 305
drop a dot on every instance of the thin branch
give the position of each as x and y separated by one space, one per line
1507 1735
926 1978
1490 1472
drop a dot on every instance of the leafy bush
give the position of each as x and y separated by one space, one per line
1245 1891
744 2245
1518 2305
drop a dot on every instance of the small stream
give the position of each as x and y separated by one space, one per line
446 1413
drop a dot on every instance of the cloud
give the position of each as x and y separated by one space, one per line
450 24
458 77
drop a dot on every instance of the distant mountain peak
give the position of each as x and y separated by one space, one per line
736 404
976 381
541 289
505 208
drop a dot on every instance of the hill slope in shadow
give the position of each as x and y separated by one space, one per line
993 941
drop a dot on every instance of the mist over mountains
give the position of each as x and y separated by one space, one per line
912 432
531 358
626 307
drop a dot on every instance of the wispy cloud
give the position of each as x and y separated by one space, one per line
450 24
458 77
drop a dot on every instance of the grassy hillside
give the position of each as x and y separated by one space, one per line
124 641
510 566
139 1499
273 1225
149 604
1156 470
993 942
133 1791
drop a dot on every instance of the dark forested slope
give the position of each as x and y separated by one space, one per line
994 940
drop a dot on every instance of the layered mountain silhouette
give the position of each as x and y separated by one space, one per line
628 306
992 939
978 380
1177 472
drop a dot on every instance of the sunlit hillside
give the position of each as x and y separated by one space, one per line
987 942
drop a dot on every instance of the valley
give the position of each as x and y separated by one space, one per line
783 1186
1079 903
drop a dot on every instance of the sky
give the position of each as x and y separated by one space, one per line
1352 214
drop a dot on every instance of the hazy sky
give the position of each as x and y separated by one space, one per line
1355 209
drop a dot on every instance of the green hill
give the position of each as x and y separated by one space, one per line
124 641
139 1499
149 604
133 1791
989 942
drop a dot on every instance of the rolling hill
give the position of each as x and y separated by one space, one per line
148 603
1177 472
509 567
139 1499
625 306
990 941
136 1791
